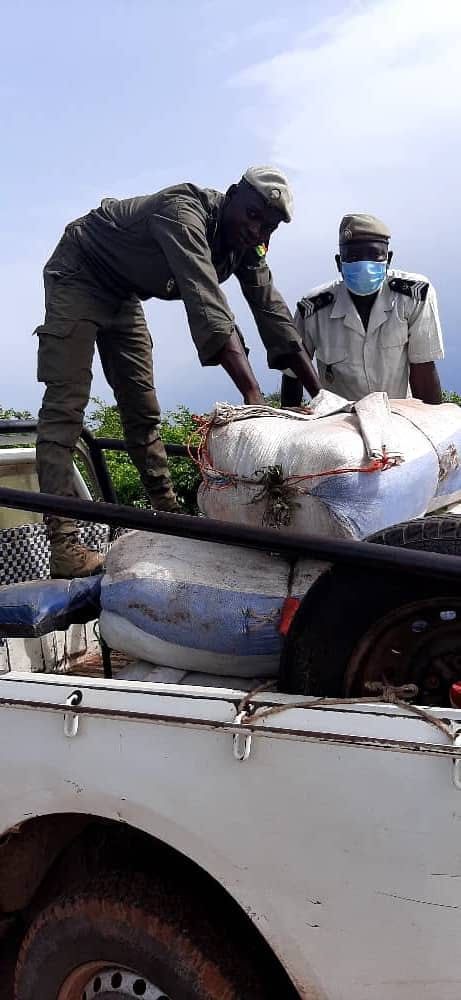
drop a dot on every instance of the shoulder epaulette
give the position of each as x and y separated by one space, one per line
415 289
307 307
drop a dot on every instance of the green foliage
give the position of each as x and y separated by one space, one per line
451 397
14 414
176 428
272 399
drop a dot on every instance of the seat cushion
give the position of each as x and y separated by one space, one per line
34 608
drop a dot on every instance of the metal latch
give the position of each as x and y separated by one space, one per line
241 741
71 718
457 760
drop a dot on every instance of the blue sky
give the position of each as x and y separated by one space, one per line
358 102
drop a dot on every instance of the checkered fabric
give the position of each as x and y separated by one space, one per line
25 550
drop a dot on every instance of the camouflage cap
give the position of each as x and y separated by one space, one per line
274 187
356 227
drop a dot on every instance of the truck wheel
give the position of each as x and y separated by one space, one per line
120 939
354 627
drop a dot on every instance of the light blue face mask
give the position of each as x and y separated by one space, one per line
363 277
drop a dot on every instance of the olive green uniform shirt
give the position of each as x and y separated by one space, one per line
168 246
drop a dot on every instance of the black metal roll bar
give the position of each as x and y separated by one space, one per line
362 555
96 446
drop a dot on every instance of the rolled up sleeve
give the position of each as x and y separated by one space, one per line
181 234
425 341
271 314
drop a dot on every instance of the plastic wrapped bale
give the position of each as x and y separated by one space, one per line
196 605
315 475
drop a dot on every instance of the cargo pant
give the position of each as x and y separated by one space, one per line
80 315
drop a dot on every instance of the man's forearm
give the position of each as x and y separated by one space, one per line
300 363
425 382
292 392
233 359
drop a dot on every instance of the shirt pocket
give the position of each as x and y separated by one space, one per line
333 362
335 355
395 337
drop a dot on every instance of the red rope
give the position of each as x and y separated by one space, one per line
377 465
199 440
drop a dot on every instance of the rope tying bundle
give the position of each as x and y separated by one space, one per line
279 492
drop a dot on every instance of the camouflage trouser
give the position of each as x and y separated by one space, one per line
80 314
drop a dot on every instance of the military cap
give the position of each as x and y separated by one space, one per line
274 187
356 227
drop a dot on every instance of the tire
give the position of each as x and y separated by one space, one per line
165 940
344 603
440 534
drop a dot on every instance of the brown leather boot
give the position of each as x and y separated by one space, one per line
68 557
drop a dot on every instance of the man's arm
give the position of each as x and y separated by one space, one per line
425 382
233 359
292 386
181 233
425 346
301 365
291 393
275 322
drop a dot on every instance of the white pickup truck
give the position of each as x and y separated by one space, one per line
186 841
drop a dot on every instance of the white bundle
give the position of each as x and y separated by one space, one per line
346 474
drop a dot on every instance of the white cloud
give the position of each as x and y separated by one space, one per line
363 111
229 39
363 86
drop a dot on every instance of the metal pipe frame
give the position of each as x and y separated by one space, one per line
96 447
360 555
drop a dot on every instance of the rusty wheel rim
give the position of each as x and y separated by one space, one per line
98 981
418 643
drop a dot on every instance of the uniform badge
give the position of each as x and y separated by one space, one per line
261 250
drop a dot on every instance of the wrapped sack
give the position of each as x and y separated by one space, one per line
196 605
348 474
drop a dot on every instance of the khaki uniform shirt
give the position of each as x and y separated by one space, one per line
403 329
168 246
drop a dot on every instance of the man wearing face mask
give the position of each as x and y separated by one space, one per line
374 329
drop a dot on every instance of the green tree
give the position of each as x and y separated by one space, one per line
177 426
272 399
11 414
451 397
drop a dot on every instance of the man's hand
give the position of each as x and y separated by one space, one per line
235 362
253 398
